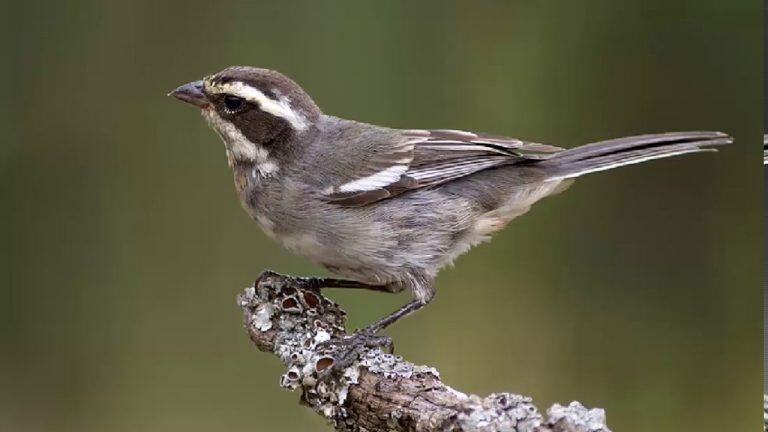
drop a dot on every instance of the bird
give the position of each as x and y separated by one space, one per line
386 209
765 149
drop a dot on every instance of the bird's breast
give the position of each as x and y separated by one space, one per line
265 201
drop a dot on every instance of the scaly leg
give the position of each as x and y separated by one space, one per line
352 347
390 319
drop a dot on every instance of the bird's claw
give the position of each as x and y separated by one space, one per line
348 350
270 279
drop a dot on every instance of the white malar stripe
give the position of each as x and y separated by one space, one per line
375 181
278 108
233 139
239 146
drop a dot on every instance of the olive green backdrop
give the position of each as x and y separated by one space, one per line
638 290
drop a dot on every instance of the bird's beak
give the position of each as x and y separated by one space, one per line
191 93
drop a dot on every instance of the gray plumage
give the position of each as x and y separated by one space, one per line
383 206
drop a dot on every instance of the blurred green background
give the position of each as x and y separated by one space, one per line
638 290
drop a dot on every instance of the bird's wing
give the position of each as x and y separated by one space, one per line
424 158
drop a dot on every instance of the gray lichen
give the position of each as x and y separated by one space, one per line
580 418
303 319
502 412
379 391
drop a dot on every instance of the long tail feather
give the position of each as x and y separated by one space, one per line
605 155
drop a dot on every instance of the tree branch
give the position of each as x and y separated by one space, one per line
380 392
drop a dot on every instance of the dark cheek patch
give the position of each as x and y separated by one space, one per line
259 127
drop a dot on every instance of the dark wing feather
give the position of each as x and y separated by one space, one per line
428 158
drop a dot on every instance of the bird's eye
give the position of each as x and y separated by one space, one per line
233 103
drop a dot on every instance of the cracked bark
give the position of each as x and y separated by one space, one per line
380 391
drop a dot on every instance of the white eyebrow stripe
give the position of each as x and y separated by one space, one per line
278 108
375 181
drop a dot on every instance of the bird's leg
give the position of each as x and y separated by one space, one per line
349 349
317 283
390 319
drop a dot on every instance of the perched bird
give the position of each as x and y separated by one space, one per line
765 149
388 208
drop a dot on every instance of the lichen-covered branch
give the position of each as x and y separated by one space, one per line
765 412
380 391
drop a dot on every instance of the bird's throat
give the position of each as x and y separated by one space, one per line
240 150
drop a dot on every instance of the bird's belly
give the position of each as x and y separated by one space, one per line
337 259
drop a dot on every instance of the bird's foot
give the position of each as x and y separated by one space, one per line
346 351
272 279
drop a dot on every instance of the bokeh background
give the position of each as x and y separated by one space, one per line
638 290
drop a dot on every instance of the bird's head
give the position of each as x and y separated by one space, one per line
252 109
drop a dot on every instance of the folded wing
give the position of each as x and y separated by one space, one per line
425 158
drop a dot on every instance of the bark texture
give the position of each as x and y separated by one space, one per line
380 391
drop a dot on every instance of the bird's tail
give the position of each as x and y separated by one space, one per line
605 155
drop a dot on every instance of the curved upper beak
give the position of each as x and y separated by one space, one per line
191 93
